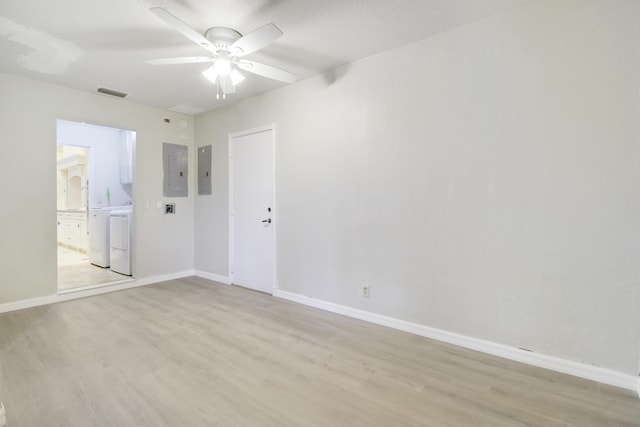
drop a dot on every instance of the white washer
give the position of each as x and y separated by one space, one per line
99 234
120 241
99 237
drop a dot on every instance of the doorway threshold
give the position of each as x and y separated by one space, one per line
90 287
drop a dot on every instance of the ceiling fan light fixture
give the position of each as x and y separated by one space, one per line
210 73
236 77
222 66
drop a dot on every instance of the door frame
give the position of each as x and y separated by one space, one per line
274 214
91 165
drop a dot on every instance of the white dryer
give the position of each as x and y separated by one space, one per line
99 246
120 241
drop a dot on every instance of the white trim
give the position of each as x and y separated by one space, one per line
91 287
90 291
581 370
3 416
251 131
225 280
165 277
274 211
230 231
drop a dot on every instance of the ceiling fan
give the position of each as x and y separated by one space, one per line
227 49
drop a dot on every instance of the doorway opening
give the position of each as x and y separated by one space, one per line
94 189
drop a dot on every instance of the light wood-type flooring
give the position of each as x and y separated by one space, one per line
191 352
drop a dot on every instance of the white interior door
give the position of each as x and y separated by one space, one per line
252 207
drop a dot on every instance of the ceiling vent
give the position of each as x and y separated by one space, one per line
112 92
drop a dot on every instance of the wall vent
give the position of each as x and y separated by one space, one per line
112 92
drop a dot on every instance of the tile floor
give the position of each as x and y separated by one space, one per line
67 256
75 271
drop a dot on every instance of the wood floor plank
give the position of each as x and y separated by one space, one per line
191 352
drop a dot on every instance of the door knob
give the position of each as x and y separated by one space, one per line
268 220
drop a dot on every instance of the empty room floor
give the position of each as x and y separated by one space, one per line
191 352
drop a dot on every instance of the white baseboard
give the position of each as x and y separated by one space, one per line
225 280
581 370
165 277
71 294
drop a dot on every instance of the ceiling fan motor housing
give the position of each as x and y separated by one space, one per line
222 39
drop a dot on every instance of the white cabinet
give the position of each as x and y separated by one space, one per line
72 230
72 177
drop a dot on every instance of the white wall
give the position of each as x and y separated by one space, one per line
104 143
28 113
483 181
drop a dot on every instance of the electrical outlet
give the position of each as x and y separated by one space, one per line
366 292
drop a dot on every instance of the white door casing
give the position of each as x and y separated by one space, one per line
252 209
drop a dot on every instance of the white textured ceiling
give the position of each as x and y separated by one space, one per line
86 44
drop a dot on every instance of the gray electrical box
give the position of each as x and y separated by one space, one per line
204 170
175 162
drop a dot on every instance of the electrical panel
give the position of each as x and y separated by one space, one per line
175 159
204 170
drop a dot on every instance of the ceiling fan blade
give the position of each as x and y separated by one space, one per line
268 71
256 40
180 60
183 28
